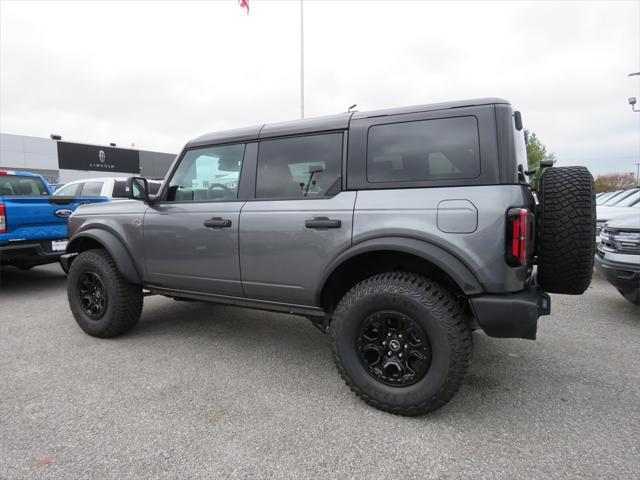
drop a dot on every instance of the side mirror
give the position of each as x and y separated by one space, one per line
138 188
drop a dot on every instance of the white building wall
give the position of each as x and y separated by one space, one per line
24 152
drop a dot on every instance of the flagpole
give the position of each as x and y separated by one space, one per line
301 58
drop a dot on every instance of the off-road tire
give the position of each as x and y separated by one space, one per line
435 310
566 230
124 301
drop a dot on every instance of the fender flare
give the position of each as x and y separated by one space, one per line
450 264
114 246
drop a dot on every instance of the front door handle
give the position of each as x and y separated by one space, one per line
322 223
217 222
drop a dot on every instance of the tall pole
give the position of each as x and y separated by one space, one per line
301 58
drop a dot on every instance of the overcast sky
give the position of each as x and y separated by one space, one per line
160 73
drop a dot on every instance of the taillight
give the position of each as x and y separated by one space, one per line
518 222
3 219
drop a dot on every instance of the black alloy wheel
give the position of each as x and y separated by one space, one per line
401 342
92 295
393 348
102 301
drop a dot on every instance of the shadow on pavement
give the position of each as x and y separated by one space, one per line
44 277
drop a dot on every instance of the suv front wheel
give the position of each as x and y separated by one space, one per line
401 343
103 303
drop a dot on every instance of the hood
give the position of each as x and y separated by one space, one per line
604 214
109 208
631 223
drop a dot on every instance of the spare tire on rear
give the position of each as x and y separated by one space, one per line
566 230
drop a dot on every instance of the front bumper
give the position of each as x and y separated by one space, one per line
28 253
512 315
624 276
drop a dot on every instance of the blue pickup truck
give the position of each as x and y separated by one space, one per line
33 223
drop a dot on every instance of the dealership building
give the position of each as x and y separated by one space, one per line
61 162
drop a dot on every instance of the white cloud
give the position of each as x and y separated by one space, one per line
159 73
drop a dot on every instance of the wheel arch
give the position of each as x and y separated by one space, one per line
393 253
101 238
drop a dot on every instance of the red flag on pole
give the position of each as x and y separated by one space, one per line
244 4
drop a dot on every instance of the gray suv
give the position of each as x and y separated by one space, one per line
397 232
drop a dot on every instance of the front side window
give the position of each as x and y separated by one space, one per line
69 190
440 149
91 189
207 174
299 167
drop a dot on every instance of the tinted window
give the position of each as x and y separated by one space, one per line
17 185
91 189
207 174
69 190
299 166
120 189
441 149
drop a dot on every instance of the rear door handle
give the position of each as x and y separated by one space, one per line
217 222
322 223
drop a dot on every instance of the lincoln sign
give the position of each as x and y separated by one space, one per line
78 156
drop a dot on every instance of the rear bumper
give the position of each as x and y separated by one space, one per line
28 253
512 315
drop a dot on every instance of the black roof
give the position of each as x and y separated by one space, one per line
329 122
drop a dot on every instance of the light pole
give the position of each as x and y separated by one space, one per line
301 58
632 100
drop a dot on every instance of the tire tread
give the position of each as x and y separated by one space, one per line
127 299
442 304
566 230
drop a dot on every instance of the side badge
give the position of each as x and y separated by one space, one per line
63 213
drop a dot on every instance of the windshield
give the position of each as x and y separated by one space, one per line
18 185
616 200
630 200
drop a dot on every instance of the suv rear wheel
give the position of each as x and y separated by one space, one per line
103 303
400 342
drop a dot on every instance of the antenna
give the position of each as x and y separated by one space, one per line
352 107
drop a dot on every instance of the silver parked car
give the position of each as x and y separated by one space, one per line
618 256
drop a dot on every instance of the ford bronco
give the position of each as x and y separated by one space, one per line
397 232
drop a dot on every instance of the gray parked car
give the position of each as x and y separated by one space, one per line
397 232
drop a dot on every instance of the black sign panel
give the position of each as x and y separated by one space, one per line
79 156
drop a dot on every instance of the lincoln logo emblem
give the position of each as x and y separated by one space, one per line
102 156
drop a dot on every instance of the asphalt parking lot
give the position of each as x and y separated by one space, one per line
205 391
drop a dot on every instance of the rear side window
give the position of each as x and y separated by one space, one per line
17 185
440 149
91 189
299 167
